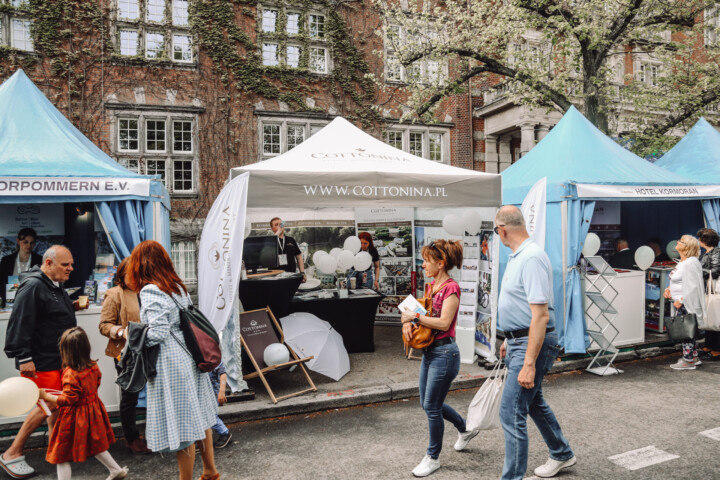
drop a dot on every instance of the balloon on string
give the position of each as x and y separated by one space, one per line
327 265
592 245
276 353
471 222
363 260
671 251
644 257
17 396
352 244
316 256
335 252
453 224
346 259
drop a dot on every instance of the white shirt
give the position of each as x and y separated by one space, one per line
21 267
676 277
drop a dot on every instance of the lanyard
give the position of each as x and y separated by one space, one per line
281 245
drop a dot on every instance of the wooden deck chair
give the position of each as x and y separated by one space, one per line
258 329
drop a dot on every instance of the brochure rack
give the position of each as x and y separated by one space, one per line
601 328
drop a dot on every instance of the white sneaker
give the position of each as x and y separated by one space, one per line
464 438
683 364
552 467
426 467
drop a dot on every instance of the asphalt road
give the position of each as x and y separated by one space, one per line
649 405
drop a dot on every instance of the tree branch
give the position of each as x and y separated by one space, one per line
450 88
683 113
546 13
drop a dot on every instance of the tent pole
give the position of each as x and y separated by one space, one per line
563 227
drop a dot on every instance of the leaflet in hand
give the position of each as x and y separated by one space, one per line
411 303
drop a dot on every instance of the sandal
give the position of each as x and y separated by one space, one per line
122 473
17 467
211 477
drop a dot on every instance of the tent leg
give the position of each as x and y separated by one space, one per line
563 235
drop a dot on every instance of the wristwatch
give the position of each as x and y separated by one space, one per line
120 333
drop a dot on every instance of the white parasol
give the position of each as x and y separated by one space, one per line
308 335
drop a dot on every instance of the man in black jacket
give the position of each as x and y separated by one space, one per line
41 313
623 258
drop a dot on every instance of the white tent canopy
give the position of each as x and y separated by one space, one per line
342 166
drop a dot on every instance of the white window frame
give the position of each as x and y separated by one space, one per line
301 128
309 126
164 130
188 45
137 139
327 60
287 23
120 10
323 34
162 4
22 44
265 54
395 72
121 45
263 19
279 127
180 14
425 130
142 159
161 52
184 254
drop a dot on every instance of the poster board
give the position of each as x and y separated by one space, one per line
258 331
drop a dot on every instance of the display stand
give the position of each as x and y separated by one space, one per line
604 332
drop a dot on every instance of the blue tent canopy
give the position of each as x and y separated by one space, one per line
45 159
697 156
582 165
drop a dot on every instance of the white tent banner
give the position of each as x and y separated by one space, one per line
533 210
43 186
585 190
342 166
220 253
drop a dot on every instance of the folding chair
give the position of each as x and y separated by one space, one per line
258 329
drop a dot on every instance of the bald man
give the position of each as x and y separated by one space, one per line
41 313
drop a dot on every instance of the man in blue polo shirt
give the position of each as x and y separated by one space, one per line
527 316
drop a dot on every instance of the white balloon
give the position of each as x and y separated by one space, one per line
276 353
453 224
471 222
352 244
335 252
644 257
671 251
17 396
363 260
327 265
346 259
316 256
592 245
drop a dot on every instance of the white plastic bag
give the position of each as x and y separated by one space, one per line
484 410
712 307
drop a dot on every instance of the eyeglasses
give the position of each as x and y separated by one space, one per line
496 229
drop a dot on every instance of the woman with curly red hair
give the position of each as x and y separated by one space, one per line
369 278
181 405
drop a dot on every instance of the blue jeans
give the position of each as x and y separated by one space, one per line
220 427
440 365
517 402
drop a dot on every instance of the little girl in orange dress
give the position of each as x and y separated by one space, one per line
82 428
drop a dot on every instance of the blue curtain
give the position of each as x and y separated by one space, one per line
712 213
126 224
579 215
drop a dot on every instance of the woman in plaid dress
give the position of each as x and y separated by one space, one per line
181 406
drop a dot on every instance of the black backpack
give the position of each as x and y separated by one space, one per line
201 340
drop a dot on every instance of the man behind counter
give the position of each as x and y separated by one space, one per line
660 256
623 258
289 254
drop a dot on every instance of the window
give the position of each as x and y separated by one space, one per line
653 75
395 139
271 139
182 136
182 51
295 136
641 73
416 144
269 54
317 26
155 10
128 135
291 38
154 45
428 142
279 135
293 56
269 20
128 9
155 135
318 60
143 146
180 12
184 258
128 42
435 146
712 22
20 34
293 24
424 70
162 27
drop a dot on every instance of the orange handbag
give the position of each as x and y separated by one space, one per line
422 336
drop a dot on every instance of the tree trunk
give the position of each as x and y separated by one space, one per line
591 96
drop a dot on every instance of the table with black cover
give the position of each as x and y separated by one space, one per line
353 317
269 291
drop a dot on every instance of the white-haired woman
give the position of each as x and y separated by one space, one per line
687 292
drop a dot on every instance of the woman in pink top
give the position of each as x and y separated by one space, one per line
441 360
